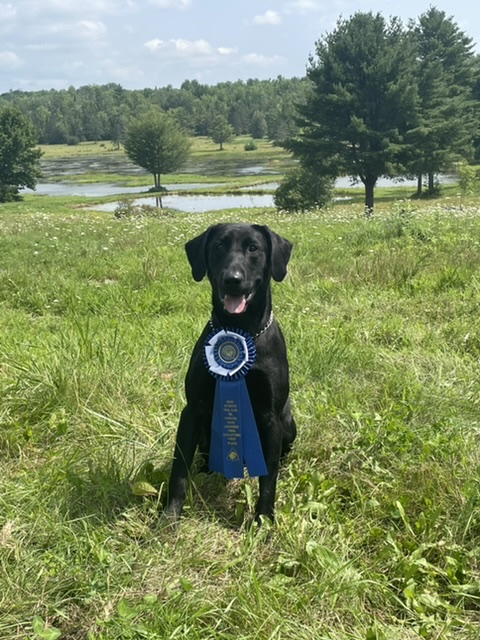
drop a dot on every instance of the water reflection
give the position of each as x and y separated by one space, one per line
266 186
345 182
199 203
97 190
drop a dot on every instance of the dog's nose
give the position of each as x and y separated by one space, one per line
233 278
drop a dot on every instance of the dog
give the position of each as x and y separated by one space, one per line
239 261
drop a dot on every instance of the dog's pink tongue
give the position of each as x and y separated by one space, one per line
234 304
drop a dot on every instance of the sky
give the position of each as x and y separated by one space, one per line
55 44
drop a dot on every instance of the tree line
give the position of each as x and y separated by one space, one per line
95 113
379 99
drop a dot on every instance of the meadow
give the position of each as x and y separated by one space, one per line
377 535
206 163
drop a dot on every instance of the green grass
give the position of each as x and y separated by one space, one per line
378 511
201 145
210 184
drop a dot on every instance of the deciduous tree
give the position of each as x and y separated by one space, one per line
19 155
156 143
221 131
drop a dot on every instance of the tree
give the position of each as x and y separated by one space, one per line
92 112
362 102
118 126
221 131
156 143
19 156
445 78
476 106
258 128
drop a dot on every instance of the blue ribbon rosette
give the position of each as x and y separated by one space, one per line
229 356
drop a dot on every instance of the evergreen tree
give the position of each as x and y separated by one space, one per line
258 128
476 106
445 78
362 102
19 156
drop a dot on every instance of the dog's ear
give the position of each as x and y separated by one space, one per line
197 253
281 250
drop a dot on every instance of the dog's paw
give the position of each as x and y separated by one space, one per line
170 516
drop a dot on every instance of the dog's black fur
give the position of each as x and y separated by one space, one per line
239 260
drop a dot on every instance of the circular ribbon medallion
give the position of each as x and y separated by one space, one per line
229 354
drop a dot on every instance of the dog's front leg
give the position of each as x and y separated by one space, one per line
272 445
186 443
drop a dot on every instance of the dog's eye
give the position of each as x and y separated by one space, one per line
219 248
252 247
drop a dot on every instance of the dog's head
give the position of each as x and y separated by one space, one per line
239 260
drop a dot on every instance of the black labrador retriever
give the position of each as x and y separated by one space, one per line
239 260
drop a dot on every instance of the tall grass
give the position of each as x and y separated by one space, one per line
378 512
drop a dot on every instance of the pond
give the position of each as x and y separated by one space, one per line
345 182
118 164
97 190
199 203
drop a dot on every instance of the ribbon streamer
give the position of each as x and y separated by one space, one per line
229 355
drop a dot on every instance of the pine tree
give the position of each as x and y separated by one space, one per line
362 102
445 78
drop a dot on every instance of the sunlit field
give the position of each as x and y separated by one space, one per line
377 534
201 145
97 162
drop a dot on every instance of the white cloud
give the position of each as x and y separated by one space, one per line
44 9
9 61
43 47
69 6
226 51
269 17
91 28
259 59
303 6
80 30
180 48
7 11
171 4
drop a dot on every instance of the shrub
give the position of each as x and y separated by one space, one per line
303 189
468 179
128 209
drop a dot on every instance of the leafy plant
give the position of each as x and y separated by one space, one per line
303 189
19 155
156 143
